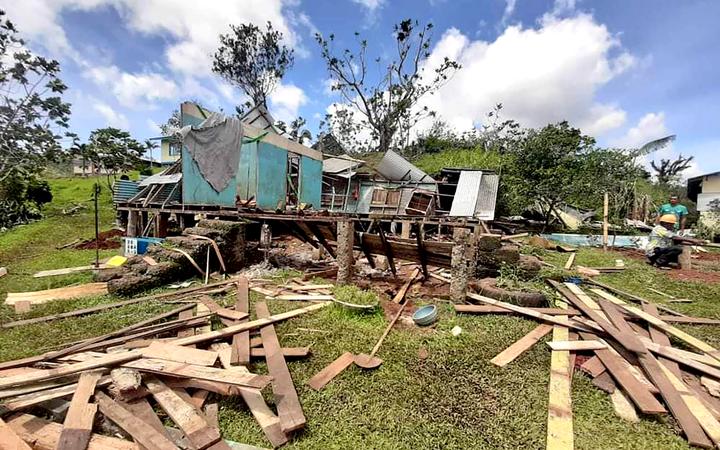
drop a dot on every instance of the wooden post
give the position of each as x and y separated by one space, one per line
344 251
133 223
606 205
459 262
405 229
684 258
161 225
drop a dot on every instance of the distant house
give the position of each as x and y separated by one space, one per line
705 192
84 168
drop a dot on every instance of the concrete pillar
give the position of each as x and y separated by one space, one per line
460 264
345 257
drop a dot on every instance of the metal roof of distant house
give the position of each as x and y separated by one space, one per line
396 168
700 177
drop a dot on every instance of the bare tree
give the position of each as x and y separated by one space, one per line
669 170
385 108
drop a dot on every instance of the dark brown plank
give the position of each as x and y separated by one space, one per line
659 337
288 405
77 428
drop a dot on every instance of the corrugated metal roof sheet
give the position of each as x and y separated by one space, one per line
475 195
340 164
161 179
396 168
124 190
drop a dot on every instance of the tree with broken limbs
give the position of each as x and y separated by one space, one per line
385 108
253 60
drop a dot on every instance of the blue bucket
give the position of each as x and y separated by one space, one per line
427 315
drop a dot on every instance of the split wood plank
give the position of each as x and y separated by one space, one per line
198 399
211 414
681 357
712 386
288 352
615 315
488 309
560 422
534 314
9 440
403 290
195 427
203 309
313 287
142 409
694 385
605 383
77 428
288 405
593 366
576 346
303 297
508 355
187 314
660 338
63 293
327 374
623 406
664 326
619 369
44 435
173 369
265 417
704 417
142 432
241 341
674 400
177 353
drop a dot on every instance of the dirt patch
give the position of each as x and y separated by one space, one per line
106 240
694 275
391 308
631 253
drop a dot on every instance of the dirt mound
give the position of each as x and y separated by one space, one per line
106 240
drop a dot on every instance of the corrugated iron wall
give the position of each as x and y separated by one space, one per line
310 181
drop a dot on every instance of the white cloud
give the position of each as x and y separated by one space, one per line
509 10
541 75
112 117
371 5
651 126
133 90
154 127
285 102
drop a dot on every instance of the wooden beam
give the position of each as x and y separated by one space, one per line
143 433
287 352
288 404
486 309
174 369
314 229
420 238
576 346
200 434
177 353
9 440
398 298
521 345
387 249
660 338
77 428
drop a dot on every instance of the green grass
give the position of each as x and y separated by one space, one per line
452 398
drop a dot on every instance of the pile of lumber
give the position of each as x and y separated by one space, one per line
116 391
627 352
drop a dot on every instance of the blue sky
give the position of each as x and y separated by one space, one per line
624 71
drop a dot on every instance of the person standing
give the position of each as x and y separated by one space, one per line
674 207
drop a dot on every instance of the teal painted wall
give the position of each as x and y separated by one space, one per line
310 181
271 176
247 172
197 191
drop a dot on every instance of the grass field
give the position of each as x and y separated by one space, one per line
446 396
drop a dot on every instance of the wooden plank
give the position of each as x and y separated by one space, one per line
681 357
288 405
187 314
265 417
185 416
366 251
615 315
177 353
590 308
64 293
560 422
521 345
228 313
593 366
174 369
327 374
570 261
420 238
403 290
619 369
623 406
387 249
142 432
27 400
675 401
287 352
664 326
605 383
44 435
534 314
141 409
660 338
488 309
202 308
700 412
68 270
9 440
241 341
77 428
576 346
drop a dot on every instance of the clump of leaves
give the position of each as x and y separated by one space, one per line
355 295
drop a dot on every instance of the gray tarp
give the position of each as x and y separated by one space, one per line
215 147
